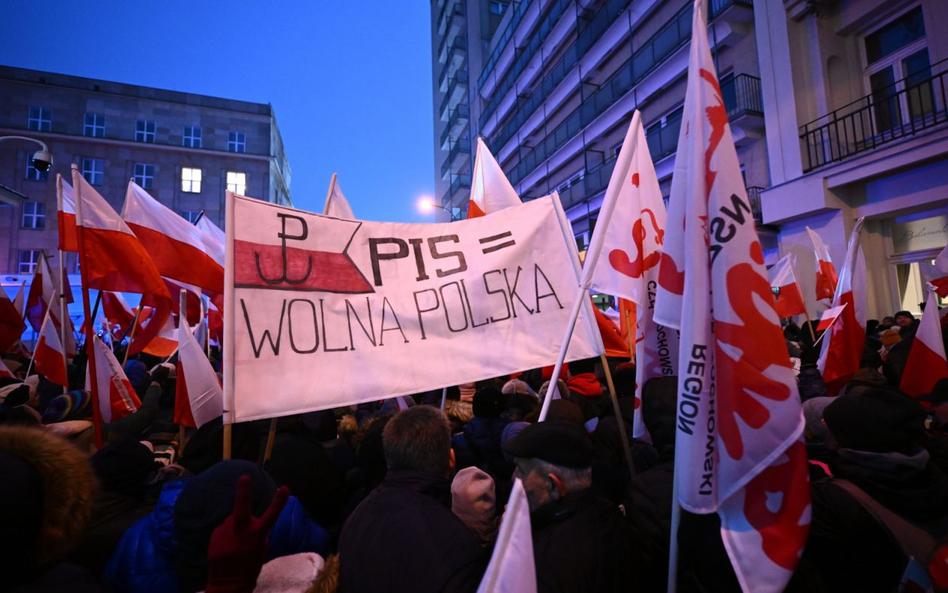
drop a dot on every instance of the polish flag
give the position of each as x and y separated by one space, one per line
44 297
843 344
11 322
5 372
490 189
926 363
112 257
739 445
164 344
195 306
118 312
790 300
624 257
826 278
512 568
178 248
48 357
198 394
829 317
117 399
939 273
337 205
20 298
215 241
66 215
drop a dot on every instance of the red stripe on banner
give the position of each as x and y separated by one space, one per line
68 235
180 261
264 266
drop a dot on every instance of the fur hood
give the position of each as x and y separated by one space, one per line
68 488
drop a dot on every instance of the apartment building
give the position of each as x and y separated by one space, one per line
184 149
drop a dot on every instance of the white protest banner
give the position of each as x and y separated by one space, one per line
322 312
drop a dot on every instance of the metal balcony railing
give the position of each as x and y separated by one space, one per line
459 182
457 116
742 96
656 50
458 12
527 106
458 45
462 146
753 196
664 141
906 107
444 11
519 10
458 81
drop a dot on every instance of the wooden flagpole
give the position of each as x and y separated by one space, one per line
809 323
332 184
62 311
615 406
32 358
182 321
132 335
630 335
271 437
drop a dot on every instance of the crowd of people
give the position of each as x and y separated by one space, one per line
376 497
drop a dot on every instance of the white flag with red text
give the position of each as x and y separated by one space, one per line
624 256
490 189
843 345
926 364
739 447
117 399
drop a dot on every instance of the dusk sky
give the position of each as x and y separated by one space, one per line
350 81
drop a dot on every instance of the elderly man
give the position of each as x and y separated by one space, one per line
404 537
580 540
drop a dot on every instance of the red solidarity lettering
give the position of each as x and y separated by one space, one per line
782 534
717 117
302 270
669 277
741 383
620 260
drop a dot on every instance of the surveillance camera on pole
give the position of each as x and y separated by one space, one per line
42 159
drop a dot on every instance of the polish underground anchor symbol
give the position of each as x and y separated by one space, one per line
303 234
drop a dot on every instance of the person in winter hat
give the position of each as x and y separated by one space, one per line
585 390
474 501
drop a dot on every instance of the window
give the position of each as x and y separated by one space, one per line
40 120
32 173
28 261
94 125
497 7
34 215
237 142
145 131
237 182
144 175
895 35
191 215
191 137
92 170
190 180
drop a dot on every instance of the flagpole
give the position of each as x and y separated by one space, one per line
182 321
444 397
32 358
62 311
619 420
629 334
271 437
673 542
567 335
332 184
132 336
809 323
90 333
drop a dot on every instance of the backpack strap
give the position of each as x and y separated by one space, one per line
914 541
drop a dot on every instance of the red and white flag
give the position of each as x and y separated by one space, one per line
337 205
627 249
937 273
512 568
198 394
926 363
490 189
119 314
739 445
117 399
178 248
20 299
11 322
826 278
790 300
48 357
66 215
165 342
829 317
215 240
112 257
843 344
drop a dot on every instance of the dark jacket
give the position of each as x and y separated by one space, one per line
404 538
582 543
851 550
479 444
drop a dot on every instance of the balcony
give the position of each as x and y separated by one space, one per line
668 40
519 9
753 196
595 181
897 111
745 107
459 149
450 10
454 25
457 47
663 141
457 122
456 91
459 182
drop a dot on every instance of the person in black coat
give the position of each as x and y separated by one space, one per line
403 536
580 540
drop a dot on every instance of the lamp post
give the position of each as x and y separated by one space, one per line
426 204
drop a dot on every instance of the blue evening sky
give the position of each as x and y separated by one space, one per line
350 81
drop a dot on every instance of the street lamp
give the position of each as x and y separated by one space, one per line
42 160
426 204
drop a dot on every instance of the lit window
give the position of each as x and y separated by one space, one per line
34 215
94 125
144 175
145 131
28 261
191 137
497 7
191 215
237 182
237 142
92 170
190 180
32 173
40 119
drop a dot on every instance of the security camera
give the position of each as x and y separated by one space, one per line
42 160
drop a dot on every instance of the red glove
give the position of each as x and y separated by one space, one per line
238 546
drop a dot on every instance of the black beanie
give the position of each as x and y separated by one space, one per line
876 420
489 402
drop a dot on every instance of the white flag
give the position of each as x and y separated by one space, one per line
512 568
199 397
624 255
490 189
337 205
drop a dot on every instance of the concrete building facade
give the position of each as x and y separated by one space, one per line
184 149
